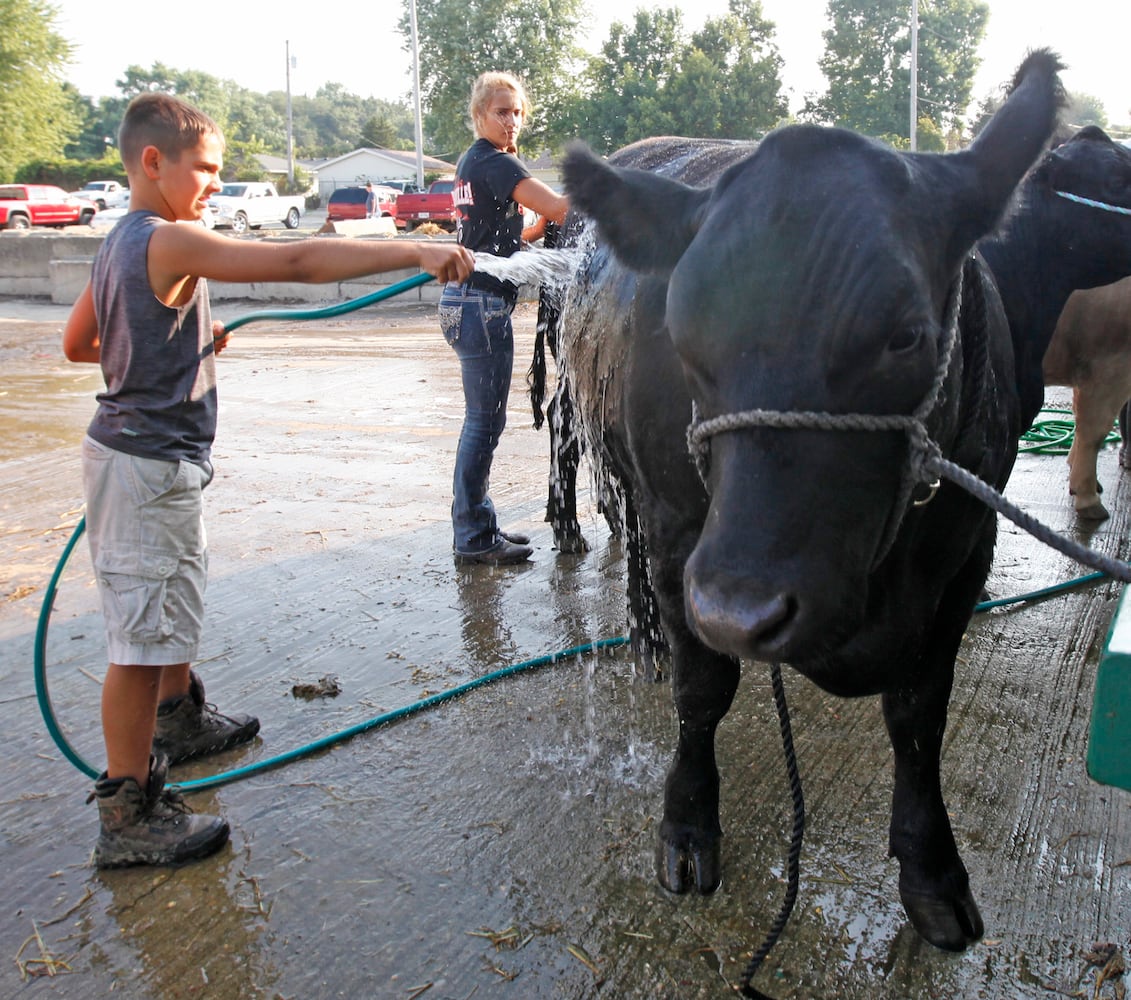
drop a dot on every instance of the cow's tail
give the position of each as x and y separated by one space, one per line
536 377
547 319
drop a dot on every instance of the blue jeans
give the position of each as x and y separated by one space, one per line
477 325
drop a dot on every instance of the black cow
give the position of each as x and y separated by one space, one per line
822 273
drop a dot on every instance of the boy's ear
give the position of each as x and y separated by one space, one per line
151 162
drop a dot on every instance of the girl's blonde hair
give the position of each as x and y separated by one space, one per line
483 92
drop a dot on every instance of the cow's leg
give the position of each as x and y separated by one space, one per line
1095 406
689 853
933 883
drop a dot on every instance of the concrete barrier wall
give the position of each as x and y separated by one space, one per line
45 264
26 257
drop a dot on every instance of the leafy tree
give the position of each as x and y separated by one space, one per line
1084 109
380 133
867 63
98 125
650 79
37 116
459 39
245 117
745 78
623 84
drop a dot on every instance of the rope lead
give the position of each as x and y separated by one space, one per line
793 869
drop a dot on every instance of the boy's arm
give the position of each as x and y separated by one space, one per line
81 340
178 252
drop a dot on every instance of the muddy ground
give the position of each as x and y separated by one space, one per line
500 845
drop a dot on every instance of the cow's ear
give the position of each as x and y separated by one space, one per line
1013 139
648 220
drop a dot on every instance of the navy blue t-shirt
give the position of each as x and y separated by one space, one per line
490 219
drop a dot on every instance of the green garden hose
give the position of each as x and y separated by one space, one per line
1053 435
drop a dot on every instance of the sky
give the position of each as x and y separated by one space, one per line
248 43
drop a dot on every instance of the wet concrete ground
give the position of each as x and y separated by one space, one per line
501 845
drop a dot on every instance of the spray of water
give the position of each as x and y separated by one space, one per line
552 269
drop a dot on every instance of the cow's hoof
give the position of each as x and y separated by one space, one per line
1093 511
950 924
570 541
683 865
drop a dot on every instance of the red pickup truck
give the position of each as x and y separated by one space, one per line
25 205
437 205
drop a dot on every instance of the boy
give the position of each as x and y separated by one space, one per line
145 317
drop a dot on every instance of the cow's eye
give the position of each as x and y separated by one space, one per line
905 339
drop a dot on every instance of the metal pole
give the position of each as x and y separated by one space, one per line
914 72
416 95
290 127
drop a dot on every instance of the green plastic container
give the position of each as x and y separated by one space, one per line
1109 739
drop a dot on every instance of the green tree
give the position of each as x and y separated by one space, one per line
1084 109
867 62
37 115
248 121
745 78
650 79
459 39
623 84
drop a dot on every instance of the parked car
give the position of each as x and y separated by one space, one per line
25 205
437 204
105 194
349 203
402 187
248 205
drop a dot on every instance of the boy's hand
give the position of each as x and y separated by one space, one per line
219 336
447 261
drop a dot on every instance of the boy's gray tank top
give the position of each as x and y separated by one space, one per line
158 361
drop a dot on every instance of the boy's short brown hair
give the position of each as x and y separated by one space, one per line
164 121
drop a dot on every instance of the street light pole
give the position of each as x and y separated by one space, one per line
416 95
290 127
914 72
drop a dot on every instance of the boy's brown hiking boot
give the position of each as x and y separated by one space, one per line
189 727
151 827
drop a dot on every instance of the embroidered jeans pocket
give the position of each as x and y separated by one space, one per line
450 319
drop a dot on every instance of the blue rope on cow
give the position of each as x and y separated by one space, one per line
1092 203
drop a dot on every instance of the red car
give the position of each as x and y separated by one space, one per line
25 205
349 203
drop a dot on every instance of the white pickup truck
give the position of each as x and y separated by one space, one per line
105 194
245 205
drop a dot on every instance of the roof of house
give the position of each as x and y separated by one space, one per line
402 158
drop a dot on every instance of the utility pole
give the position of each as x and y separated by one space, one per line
416 95
290 127
914 72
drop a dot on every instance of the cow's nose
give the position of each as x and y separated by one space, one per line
733 622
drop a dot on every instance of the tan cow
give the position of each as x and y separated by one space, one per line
1091 351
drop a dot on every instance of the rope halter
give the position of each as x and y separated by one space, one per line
923 454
